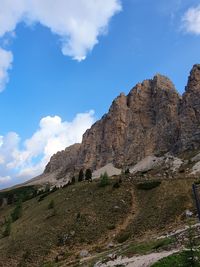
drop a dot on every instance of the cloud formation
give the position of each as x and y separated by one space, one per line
23 160
191 20
77 23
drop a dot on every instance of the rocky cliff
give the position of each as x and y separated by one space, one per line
151 120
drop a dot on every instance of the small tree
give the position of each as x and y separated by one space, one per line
81 175
104 180
7 229
88 175
17 212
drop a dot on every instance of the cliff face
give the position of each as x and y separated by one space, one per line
63 160
190 113
151 120
137 125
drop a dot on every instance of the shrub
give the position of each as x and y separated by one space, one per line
116 185
104 180
148 185
110 226
123 237
17 212
51 204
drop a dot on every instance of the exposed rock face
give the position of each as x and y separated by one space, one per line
151 120
190 113
140 124
65 159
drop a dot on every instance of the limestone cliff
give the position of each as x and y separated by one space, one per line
151 120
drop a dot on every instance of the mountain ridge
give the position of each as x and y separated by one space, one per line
151 120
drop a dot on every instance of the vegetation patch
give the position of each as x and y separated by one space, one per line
17 212
84 212
111 226
147 247
123 237
104 180
23 193
7 229
179 259
148 185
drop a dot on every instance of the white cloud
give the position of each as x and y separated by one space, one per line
6 59
53 135
77 22
191 20
5 179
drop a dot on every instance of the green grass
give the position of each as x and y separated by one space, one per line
176 260
147 247
162 206
83 213
86 213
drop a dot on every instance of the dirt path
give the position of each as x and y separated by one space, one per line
124 224
139 261
130 216
121 227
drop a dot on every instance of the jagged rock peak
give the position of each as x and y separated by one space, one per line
194 79
152 119
159 83
119 101
163 82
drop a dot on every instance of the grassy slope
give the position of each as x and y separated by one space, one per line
38 232
162 206
178 259
34 238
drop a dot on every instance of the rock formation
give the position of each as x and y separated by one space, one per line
189 113
152 119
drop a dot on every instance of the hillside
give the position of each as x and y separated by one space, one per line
86 217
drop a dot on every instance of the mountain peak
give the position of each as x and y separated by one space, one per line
163 82
151 120
194 79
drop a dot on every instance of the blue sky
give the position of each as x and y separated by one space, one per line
140 38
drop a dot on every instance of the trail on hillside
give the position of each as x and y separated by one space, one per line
132 213
127 220
119 228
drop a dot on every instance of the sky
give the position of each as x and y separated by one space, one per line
63 62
